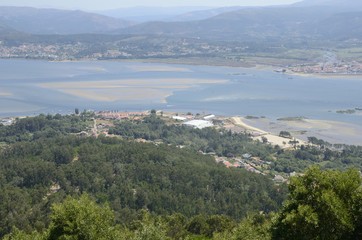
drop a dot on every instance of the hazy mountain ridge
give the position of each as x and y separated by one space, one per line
5 29
54 21
346 4
146 14
203 14
342 26
308 19
262 23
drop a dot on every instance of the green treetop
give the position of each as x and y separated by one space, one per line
322 205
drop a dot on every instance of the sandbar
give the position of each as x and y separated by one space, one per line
239 121
156 90
327 76
259 134
330 131
134 82
5 94
120 94
158 68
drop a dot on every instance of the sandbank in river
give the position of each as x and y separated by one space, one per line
156 90
330 131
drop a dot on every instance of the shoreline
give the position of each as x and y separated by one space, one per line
204 62
262 135
115 90
334 132
325 75
256 66
266 130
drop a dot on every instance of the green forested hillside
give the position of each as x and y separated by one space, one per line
42 169
321 205
167 188
226 143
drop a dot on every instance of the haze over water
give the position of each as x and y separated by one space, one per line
32 87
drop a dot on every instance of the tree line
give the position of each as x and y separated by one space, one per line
320 205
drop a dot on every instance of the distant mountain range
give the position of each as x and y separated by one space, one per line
53 21
147 14
202 14
345 4
298 21
5 29
241 24
310 19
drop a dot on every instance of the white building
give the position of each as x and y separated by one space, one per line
200 124
178 118
209 117
6 121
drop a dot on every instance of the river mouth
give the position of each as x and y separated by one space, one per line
31 87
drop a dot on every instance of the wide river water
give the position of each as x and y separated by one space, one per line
30 87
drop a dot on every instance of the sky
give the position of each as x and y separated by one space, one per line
113 4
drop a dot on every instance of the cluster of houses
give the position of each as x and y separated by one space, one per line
337 68
247 161
6 121
250 164
198 122
117 115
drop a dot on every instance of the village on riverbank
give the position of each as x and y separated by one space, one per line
104 120
286 139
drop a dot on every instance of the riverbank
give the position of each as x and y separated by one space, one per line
325 75
267 130
216 62
331 131
43 87
262 135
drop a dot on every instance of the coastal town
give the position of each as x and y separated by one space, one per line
122 49
104 120
230 55
342 68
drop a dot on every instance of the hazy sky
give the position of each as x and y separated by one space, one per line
111 4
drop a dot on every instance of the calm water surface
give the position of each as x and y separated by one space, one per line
247 91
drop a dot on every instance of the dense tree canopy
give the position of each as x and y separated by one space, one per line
226 143
81 219
322 205
168 188
130 176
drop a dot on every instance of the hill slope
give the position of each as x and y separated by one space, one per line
146 14
346 4
52 21
251 24
129 176
203 14
5 29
